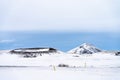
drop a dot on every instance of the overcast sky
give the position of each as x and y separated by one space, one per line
60 15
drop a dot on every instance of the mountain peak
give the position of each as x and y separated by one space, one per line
86 44
85 48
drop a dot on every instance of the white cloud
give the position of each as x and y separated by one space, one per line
61 15
7 41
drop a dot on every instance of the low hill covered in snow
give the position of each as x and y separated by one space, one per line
85 48
34 52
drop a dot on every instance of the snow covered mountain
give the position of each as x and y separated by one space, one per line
85 48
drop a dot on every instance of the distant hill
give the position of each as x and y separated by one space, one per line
85 48
34 52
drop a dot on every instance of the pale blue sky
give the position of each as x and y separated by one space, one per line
60 15
61 41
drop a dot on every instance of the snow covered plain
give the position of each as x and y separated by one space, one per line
98 66
47 73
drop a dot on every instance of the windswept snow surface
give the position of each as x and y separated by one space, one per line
46 73
98 66
73 60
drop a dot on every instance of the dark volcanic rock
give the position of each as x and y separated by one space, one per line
117 53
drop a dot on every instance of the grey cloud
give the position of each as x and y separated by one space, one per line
68 15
